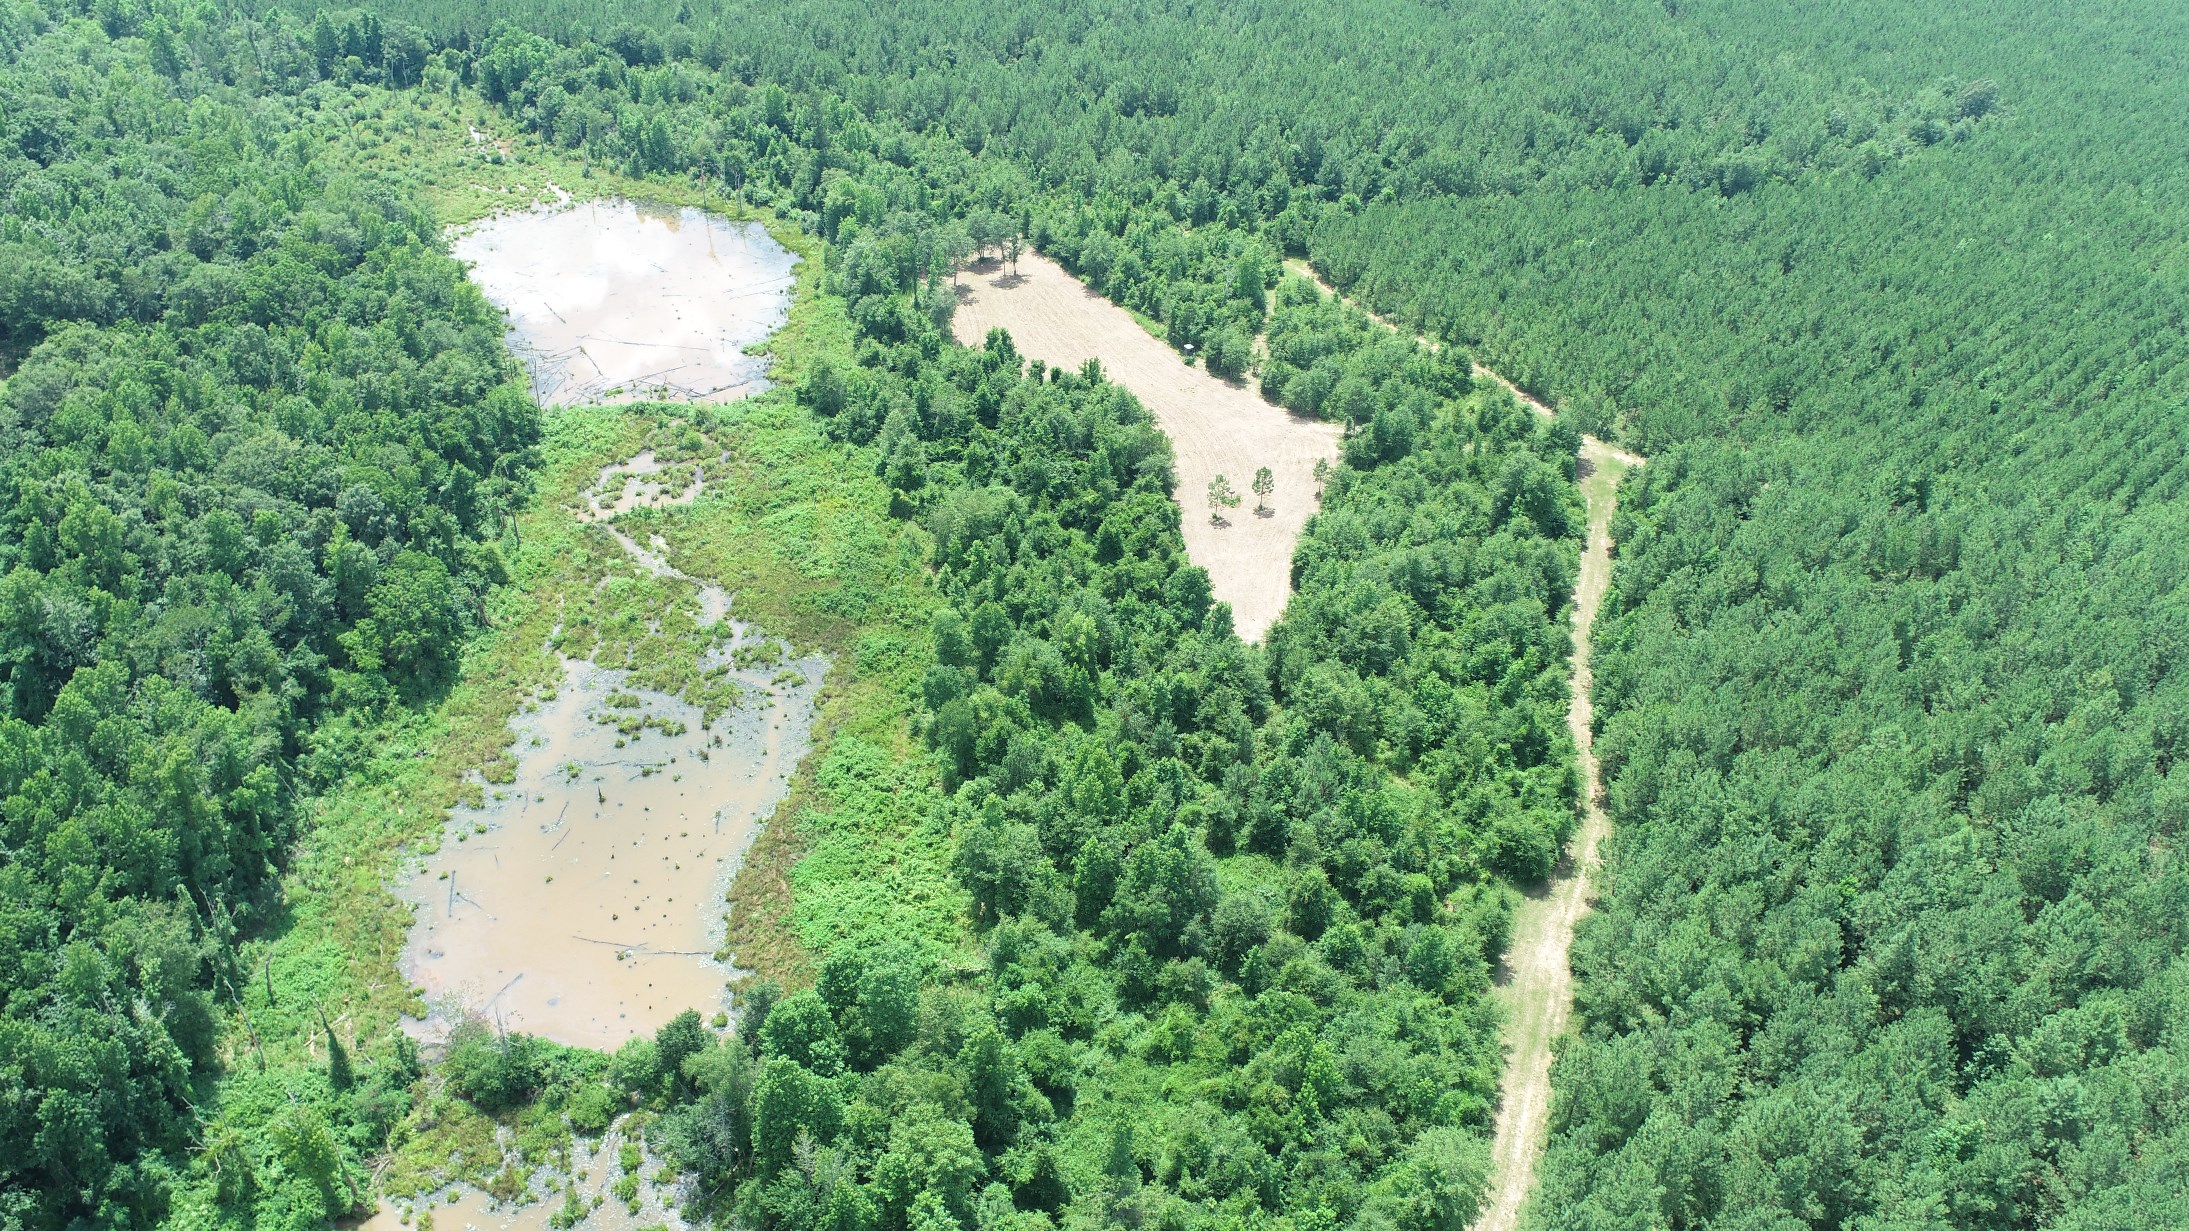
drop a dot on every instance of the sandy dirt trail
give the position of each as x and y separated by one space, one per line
1294 265
1215 428
1535 982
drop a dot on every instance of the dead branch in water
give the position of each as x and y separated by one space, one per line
643 951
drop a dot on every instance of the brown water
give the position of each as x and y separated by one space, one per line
585 900
614 300
642 483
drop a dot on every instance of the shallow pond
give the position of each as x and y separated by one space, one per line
584 901
618 299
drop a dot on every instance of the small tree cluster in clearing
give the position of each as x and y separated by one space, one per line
1221 496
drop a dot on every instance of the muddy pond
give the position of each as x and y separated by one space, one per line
585 899
621 300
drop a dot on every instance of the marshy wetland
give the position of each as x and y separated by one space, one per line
602 1185
583 898
584 901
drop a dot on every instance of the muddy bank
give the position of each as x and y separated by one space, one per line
620 300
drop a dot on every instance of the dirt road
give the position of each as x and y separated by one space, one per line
1217 427
1535 984
1214 427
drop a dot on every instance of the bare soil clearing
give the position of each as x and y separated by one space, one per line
617 300
1215 428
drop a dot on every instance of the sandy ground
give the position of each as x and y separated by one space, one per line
584 902
1536 979
616 300
1215 428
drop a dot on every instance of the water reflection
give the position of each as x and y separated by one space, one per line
618 300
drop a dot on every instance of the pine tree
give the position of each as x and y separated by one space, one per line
1221 497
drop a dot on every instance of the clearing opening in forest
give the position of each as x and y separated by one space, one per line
1215 428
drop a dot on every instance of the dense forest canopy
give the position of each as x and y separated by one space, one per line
1411 99
1269 877
1891 686
251 464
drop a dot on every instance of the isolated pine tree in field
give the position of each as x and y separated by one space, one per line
1221 497
1264 483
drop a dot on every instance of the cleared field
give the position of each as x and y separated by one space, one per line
1216 428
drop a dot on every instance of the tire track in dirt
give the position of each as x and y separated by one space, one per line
1535 981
